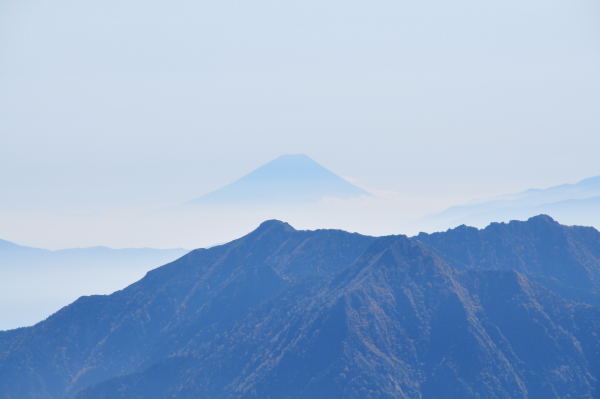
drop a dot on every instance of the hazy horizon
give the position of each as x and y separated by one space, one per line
113 112
174 225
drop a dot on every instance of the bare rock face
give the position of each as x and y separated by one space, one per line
511 311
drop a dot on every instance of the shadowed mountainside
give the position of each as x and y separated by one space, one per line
508 311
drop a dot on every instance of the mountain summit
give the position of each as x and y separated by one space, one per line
509 311
287 179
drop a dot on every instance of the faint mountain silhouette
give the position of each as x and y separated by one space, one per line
287 179
577 203
34 282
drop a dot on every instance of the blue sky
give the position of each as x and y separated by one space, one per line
111 106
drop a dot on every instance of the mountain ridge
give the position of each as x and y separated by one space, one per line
576 203
286 313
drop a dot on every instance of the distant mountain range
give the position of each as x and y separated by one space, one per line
289 179
13 255
510 311
35 282
577 203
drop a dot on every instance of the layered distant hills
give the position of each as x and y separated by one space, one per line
35 282
510 311
577 203
18 256
289 179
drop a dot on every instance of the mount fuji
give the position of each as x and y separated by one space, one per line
287 179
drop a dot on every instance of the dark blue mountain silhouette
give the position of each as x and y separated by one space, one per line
511 311
287 179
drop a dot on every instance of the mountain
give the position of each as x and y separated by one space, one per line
284 180
14 255
510 311
577 203
32 280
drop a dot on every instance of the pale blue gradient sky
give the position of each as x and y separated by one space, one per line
115 103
